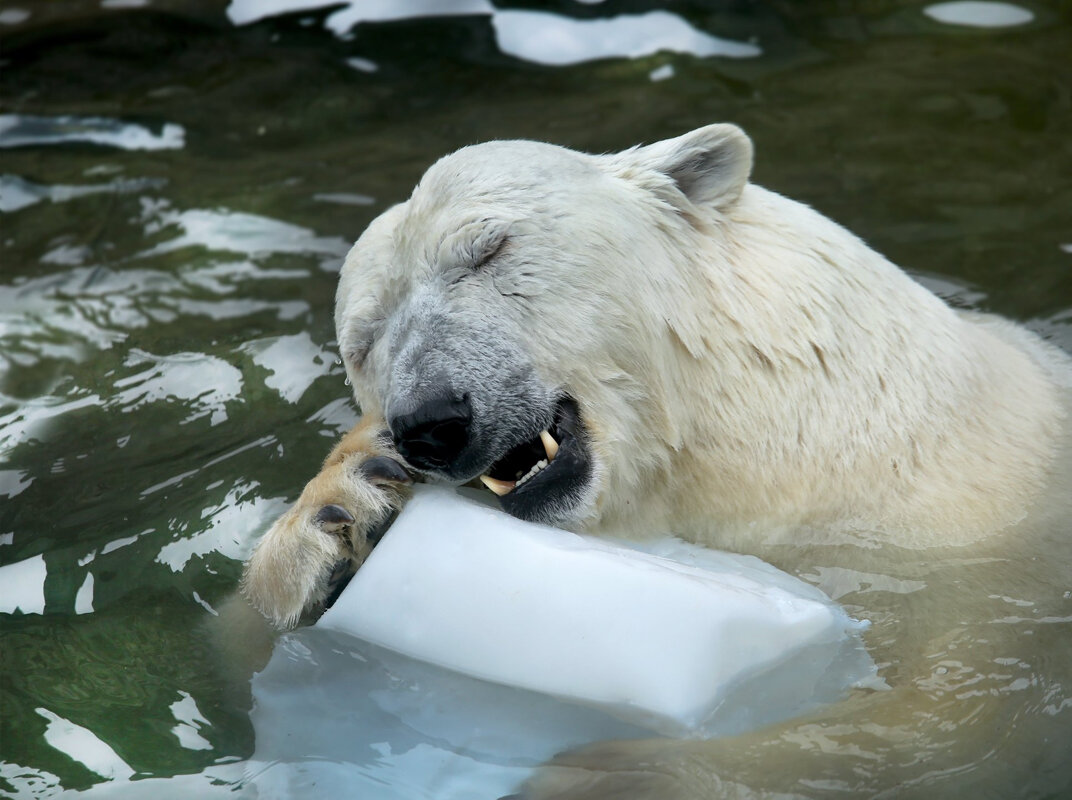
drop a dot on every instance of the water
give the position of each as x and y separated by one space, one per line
179 184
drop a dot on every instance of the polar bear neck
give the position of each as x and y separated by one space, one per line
823 384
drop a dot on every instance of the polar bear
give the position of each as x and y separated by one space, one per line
645 340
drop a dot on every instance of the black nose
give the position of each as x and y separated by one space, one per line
433 434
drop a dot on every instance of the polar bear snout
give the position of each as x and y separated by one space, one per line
533 452
549 477
435 433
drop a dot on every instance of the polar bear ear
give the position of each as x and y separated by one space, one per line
710 165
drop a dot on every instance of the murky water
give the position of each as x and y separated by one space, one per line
179 183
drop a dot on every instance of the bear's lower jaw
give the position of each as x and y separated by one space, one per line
552 488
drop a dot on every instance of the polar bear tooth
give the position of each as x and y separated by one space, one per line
499 487
539 465
550 446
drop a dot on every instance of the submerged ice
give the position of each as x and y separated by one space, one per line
471 647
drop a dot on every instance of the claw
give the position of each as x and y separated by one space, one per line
383 468
332 518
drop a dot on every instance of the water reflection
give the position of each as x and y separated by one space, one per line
23 586
12 483
230 528
17 193
24 130
130 485
342 20
34 419
540 37
293 362
426 732
202 384
13 16
27 781
83 600
552 39
84 747
190 721
345 198
235 232
979 14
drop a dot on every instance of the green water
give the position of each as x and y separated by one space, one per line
167 366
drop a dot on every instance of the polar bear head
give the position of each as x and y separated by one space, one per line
517 317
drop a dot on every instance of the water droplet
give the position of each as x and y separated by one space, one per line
347 381
338 362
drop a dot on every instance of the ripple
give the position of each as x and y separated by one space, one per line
203 383
27 781
294 363
83 601
536 36
237 232
13 16
84 746
337 417
979 14
555 40
236 522
33 419
24 130
17 193
23 586
245 12
13 482
190 722
345 198
840 581
91 307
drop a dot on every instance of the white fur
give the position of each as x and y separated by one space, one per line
737 356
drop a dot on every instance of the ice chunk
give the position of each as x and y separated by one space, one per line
338 716
650 639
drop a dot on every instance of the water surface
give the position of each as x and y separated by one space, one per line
180 181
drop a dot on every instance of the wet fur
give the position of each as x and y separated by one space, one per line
753 377
737 357
287 576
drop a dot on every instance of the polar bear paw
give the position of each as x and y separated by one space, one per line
301 565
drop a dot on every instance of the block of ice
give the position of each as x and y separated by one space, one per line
651 639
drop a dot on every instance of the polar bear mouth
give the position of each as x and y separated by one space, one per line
543 478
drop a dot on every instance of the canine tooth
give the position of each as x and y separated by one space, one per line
550 446
499 487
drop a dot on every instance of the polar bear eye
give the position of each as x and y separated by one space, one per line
490 252
473 246
358 340
356 354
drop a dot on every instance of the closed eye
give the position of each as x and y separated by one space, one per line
482 262
491 253
358 341
472 247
